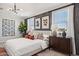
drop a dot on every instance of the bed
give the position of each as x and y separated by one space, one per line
24 47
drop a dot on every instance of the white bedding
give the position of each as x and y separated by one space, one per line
21 46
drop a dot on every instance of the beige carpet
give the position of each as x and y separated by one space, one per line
50 53
47 52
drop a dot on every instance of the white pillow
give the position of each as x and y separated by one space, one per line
35 36
45 37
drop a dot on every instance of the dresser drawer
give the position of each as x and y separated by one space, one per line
60 44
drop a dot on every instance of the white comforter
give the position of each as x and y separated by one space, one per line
23 46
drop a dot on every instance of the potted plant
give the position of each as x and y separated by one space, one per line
23 28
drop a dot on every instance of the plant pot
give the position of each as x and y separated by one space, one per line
23 34
54 33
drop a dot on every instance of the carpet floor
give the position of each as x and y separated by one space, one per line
47 52
51 53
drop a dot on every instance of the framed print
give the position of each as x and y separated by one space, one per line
45 22
37 23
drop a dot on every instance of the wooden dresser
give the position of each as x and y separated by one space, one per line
60 44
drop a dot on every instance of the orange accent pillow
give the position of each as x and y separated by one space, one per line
29 37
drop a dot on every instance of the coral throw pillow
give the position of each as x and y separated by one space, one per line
29 37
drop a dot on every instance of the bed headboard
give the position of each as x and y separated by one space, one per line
43 32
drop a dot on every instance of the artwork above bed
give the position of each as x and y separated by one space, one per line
45 22
37 23
42 23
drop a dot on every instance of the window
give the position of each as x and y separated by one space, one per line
30 23
60 18
8 27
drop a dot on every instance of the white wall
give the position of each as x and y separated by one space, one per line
11 16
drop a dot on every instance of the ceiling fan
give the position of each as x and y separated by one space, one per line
14 9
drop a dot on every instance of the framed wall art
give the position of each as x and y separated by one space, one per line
37 23
45 22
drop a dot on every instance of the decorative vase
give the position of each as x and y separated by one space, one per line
54 33
64 34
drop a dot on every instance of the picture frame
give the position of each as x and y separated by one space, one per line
45 22
37 23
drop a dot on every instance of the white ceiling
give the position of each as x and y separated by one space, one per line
32 9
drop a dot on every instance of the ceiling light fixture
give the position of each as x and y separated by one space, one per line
15 10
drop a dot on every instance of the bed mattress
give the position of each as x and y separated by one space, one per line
22 46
